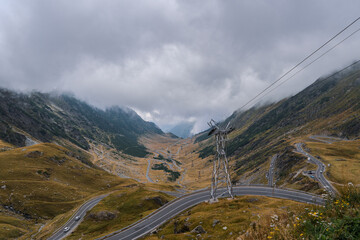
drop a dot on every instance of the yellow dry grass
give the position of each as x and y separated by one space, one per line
126 206
343 157
157 142
118 163
45 180
234 217
13 226
4 146
195 172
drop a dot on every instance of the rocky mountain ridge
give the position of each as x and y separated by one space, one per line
46 117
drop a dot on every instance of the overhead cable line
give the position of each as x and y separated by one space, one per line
300 70
302 61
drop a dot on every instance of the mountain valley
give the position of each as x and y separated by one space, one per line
57 152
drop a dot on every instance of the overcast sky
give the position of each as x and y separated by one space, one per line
169 60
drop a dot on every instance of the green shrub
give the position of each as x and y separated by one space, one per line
173 175
339 219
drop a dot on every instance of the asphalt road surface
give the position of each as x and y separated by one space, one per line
319 174
71 223
147 172
270 174
170 210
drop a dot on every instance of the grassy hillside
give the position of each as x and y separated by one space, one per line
330 106
343 157
226 219
45 180
119 210
46 117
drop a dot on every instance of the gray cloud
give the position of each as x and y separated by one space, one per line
170 60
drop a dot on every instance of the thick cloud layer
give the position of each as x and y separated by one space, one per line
169 60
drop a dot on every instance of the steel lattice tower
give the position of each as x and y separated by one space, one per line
220 173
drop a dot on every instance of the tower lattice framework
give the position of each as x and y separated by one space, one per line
220 176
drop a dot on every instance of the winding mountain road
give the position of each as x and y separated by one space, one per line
319 174
147 172
72 223
173 208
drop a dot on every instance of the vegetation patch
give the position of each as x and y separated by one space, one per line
177 162
128 145
207 151
340 219
173 175
160 157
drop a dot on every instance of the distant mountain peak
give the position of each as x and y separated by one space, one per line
183 129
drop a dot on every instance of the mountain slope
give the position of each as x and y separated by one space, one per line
320 101
330 106
46 117
44 180
183 130
39 184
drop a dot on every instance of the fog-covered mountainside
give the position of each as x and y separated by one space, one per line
47 118
330 106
